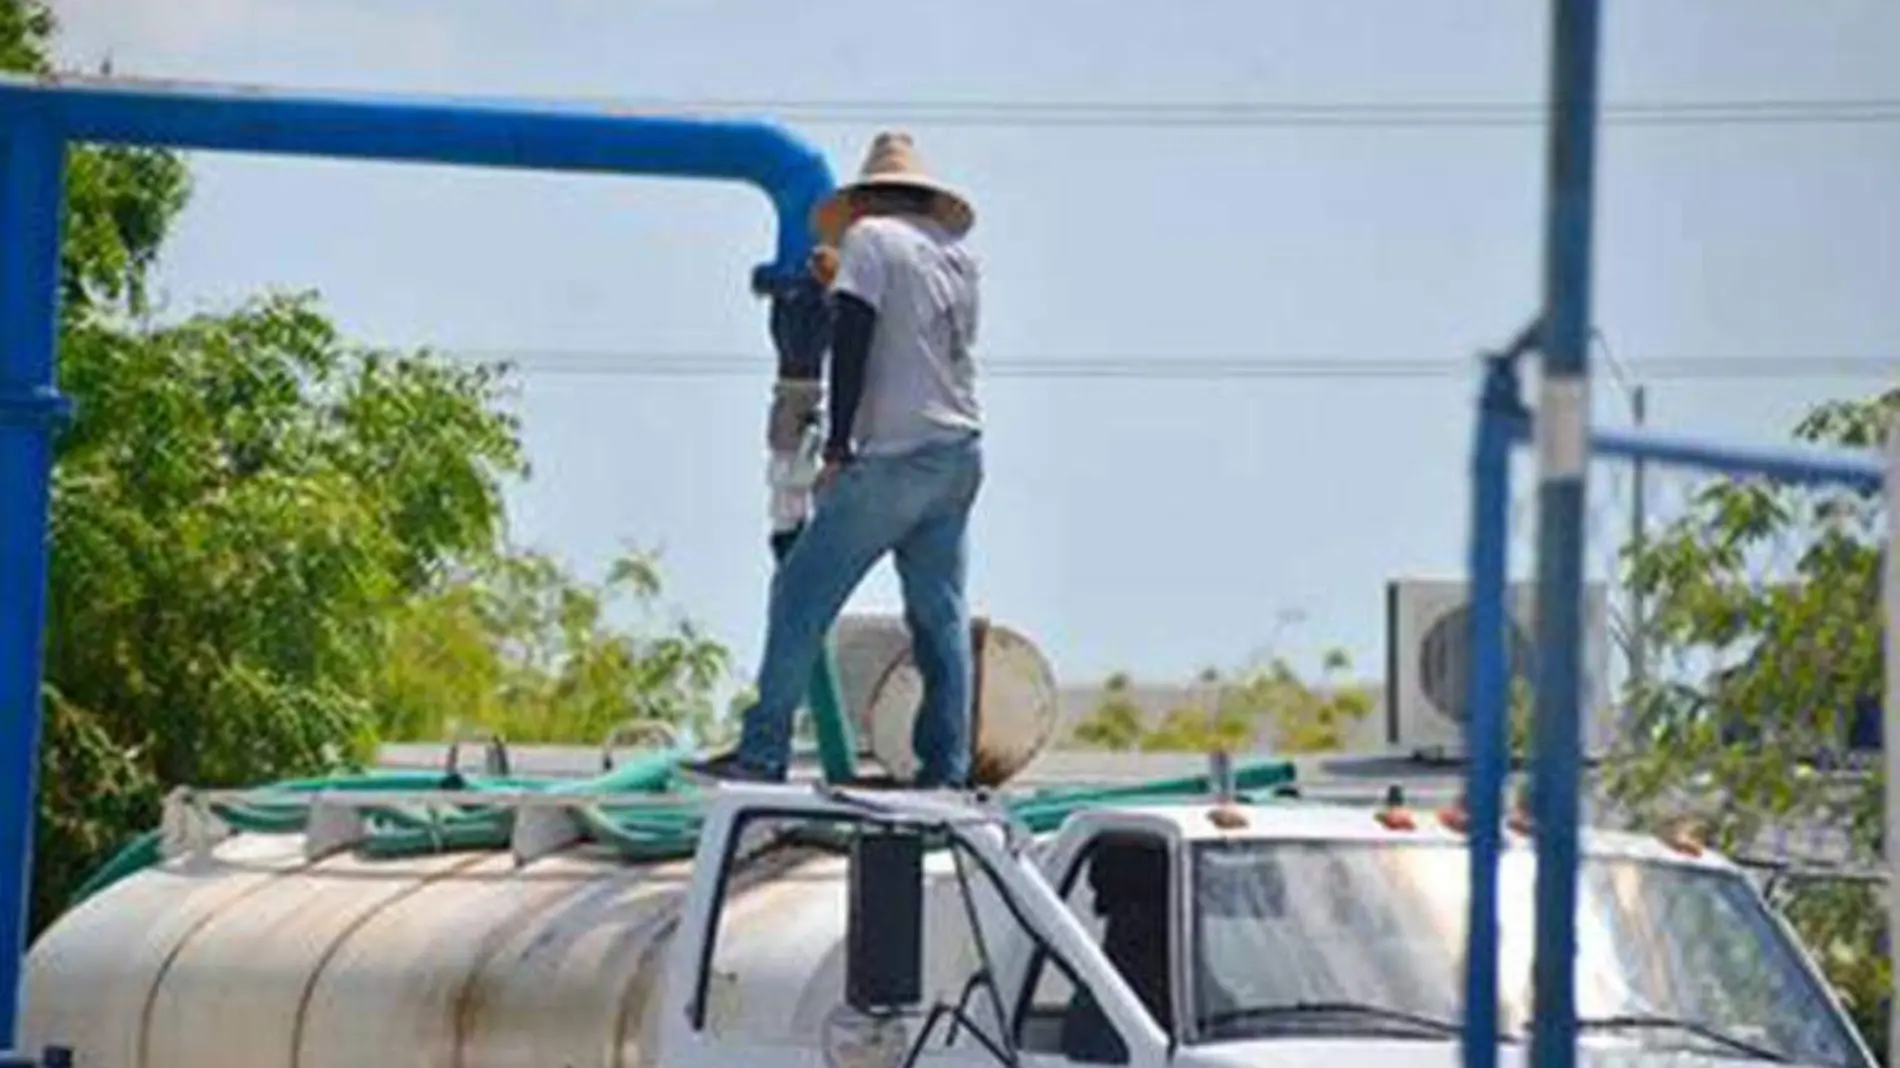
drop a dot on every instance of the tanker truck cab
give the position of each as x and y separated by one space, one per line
1196 933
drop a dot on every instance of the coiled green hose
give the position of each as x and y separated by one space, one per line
640 833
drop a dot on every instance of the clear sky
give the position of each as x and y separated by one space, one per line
1149 522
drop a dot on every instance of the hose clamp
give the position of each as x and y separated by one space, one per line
795 404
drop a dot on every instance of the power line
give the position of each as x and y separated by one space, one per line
1400 115
1156 366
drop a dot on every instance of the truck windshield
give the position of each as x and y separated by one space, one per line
1313 938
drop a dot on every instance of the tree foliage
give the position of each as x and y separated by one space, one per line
120 200
520 649
239 508
272 548
1117 721
1267 703
1766 599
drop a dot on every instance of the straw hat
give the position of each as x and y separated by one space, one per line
893 161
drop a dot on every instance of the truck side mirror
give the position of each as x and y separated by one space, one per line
884 931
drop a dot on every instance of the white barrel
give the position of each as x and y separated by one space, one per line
255 958
1014 699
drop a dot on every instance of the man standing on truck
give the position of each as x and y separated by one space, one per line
902 461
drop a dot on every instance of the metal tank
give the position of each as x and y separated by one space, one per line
1015 709
248 955
252 957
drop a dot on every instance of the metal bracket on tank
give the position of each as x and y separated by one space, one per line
539 831
332 828
186 825
495 759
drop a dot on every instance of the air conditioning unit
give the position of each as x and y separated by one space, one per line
1428 662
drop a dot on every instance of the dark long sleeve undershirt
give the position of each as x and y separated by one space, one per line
851 331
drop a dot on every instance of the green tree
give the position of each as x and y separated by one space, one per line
1309 717
1521 707
239 510
271 548
522 649
1188 728
1773 595
1223 719
1116 722
1298 715
118 203
119 200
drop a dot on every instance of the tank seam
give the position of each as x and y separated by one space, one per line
349 931
485 955
178 948
647 971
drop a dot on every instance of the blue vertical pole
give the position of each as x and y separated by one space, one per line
32 159
1487 723
1563 454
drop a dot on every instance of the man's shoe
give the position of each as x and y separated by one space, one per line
726 767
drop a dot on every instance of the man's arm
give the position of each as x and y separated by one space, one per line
856 294
852 326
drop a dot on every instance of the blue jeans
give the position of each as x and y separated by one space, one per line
917 506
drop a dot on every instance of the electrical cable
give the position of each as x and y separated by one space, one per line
634 363
1267 114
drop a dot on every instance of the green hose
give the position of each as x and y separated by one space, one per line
649 774
451 835
141 853
837 748
1263 776
144 851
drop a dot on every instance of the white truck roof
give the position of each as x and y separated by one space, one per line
1195 820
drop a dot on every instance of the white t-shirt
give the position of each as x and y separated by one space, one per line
920 381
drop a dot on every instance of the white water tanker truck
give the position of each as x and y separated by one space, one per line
812 925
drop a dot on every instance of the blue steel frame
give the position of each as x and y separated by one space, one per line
1561 334
1562 454
1564 444
1503 423
39 119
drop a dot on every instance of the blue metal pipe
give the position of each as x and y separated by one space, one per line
1487 723
1796 466
1814 467
1563 453
38 118
460 131
31 412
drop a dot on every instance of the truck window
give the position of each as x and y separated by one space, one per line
1120 891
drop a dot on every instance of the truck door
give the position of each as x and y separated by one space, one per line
758 977
761 956
1120 888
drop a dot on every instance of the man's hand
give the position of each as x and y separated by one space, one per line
827 474
837 458
823 265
